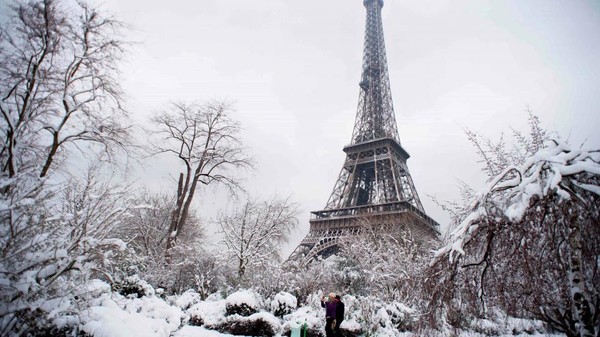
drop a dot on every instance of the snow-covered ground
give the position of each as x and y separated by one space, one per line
152 315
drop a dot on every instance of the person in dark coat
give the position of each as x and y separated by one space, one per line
339 314
330 312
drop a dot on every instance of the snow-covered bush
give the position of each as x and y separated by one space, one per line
40 325
283 303
243 303
60 241
401 316
311 315
133 286
114 315
257 324
372 315
499 324
363 315
239 314
210 313
186 300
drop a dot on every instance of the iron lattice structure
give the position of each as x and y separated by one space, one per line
374 182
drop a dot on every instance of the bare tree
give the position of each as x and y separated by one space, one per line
496 156
206 141
254 233
58 67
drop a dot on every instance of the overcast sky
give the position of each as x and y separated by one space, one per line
293 68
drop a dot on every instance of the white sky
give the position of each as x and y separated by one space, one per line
293 68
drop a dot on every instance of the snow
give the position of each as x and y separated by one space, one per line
108 322
350 324
283 301
247 297
97 286
25 202
55 306
143 206
212 312
120 244
311 316
592 188
187 299
145 286
113 315
46 271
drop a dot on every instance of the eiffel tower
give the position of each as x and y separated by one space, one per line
374 183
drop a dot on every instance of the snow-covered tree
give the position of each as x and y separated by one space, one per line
145 229
58 94
494 157
54 239
254 233
383 260
206 140
305 280
530 243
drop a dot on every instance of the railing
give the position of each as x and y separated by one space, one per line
375 143
399 206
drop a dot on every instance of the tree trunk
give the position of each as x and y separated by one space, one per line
175 219
582 312
185 195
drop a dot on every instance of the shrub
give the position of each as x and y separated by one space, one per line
243 303
133 287
186 300
283 304
196 320
401 316
258 324
36 323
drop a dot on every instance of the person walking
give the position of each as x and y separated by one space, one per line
330 306
340 308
